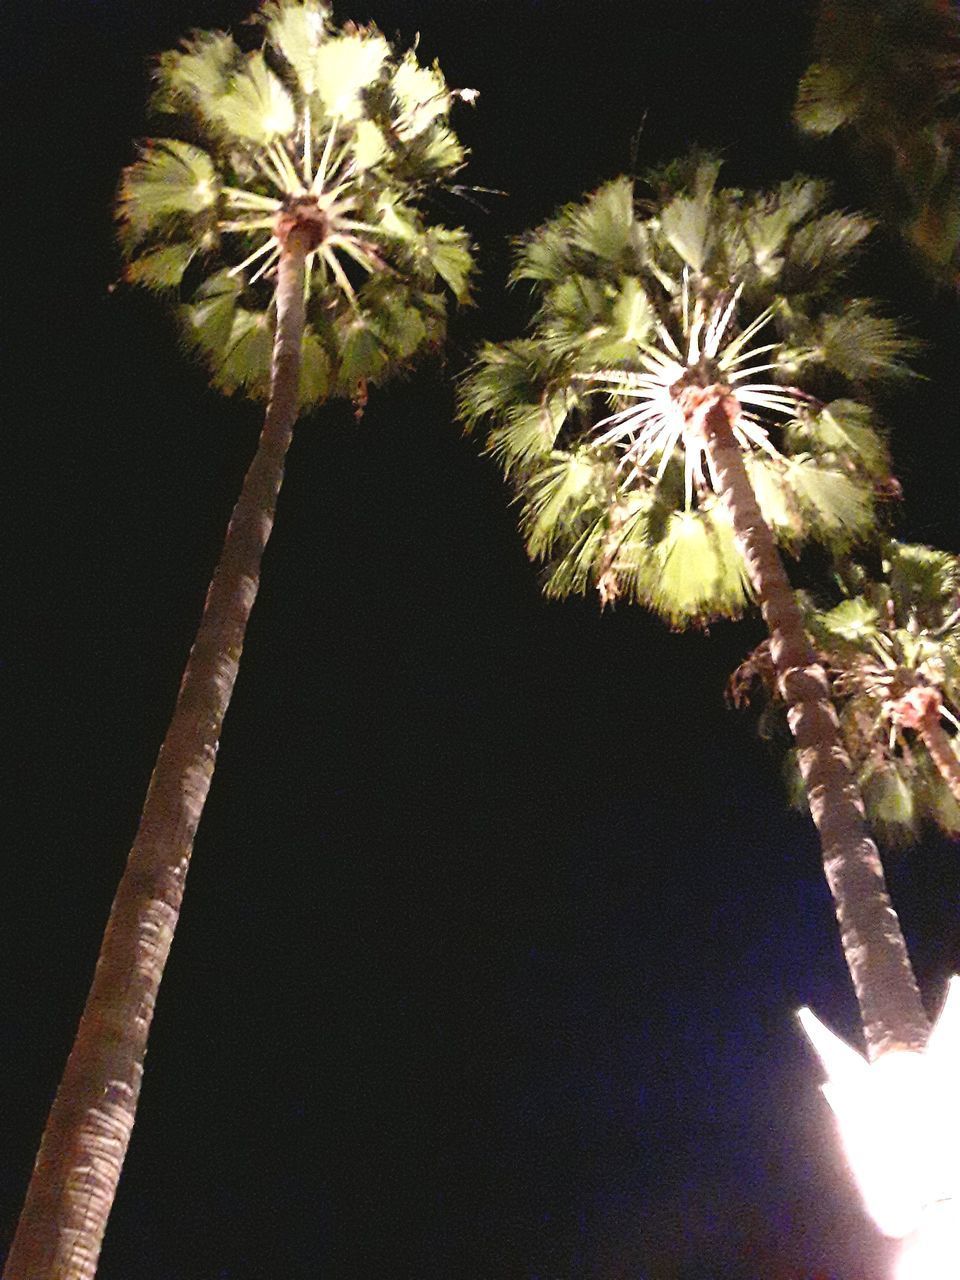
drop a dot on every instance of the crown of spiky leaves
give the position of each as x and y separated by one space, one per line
894 640
698 286
319 114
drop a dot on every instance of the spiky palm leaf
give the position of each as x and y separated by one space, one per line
639 303
320 118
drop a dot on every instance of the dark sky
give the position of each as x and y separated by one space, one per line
496 923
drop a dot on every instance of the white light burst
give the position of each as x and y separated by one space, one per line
899 1120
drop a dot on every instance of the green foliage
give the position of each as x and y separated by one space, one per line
898 633
316 113
693 572
860 344
885 76
173 185
637 300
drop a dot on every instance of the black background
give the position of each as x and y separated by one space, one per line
497 921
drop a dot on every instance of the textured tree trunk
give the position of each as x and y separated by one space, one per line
944 757
75 1177
873 945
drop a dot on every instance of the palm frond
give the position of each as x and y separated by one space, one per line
838 508
344 66
448 252
924 581
244 362
890 799
692 573
172 185
843 429
855 622
554 497
823 248
686 224
862 345
256 106
208 320
194 77
160 268
422 93
296 29
828 98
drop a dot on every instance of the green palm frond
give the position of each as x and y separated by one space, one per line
861 344
854 622
344 67
843 429
688 228
692 573
890 795
173 185
256 106
566 481
835 503
924 583
195 77
600 228
828 98
297 32
161 269
823 248
318 117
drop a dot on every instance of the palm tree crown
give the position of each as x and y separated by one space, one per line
893 650
642 308
319 127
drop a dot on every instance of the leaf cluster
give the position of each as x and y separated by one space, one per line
314 108
619 281
892 633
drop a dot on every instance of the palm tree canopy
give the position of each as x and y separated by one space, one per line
887 74
319 119
640 304
892 648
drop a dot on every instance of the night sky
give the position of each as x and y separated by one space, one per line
497 920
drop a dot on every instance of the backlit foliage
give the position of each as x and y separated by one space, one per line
637 303
890 641
331 116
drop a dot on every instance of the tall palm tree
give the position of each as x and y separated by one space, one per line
892 649
283 212
886 76
660 445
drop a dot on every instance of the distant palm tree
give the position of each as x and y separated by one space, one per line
654 429
892 649
289 227
886 75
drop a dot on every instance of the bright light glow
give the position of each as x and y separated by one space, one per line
899 1120
933 1253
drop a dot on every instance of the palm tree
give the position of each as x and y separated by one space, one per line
892 648
654 429
283 212
886 75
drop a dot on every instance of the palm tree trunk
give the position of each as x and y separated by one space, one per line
944 757
873 945
75 1177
